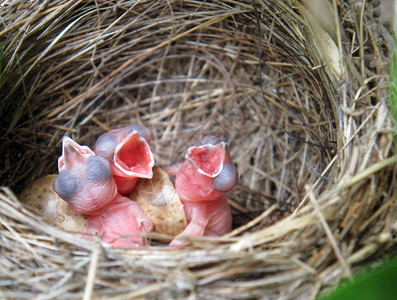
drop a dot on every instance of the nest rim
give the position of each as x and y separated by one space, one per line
360 156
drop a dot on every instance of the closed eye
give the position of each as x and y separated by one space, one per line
98 169
227 178
66 185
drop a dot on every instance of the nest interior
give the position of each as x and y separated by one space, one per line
299 92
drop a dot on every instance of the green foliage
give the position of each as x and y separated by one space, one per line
379 283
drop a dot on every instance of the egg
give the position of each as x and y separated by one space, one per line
40 196
160 202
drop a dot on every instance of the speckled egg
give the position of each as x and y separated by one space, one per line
55 211
160 202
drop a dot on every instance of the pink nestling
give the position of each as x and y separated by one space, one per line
127 149
121 225
202 182
85 181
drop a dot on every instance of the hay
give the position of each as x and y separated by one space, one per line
305 115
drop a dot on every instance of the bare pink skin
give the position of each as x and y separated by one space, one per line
202 181
84 181
209 218
121 224
127 149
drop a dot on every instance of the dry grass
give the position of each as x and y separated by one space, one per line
300 95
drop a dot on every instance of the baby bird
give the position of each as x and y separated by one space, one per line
127 149
202 181
85 180
121 224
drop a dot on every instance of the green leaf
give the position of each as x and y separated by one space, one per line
379 283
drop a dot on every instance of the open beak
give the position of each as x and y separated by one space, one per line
72 152
208 159
133 157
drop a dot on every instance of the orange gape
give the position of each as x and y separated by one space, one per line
127 149
202 181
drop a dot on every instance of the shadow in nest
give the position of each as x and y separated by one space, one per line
183 77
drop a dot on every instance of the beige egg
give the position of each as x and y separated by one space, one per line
41 196
160 202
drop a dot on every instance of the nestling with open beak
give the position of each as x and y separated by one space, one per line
207 174
85 181
127 149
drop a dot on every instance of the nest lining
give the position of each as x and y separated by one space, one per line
308 128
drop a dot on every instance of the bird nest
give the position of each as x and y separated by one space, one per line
299 92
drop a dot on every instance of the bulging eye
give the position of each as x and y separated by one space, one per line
66 185
210 139
142 131
98 169
227 178
105 145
